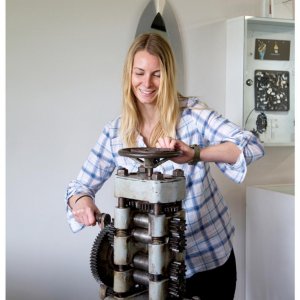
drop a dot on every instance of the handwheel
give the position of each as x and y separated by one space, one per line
153 157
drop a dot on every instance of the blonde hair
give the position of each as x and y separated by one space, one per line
167 98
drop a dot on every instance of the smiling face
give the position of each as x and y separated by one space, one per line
145 79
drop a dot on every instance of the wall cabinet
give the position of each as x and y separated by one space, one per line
260 77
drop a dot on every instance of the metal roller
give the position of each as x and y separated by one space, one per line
141 277
141 220
141 235
141 261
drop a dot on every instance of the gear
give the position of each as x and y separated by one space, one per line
177 239
177 279
102 256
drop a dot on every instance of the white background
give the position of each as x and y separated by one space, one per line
64 64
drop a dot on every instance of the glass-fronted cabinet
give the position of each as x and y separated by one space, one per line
260 68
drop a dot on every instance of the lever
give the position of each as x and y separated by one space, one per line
103 219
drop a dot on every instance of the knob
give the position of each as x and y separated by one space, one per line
249 82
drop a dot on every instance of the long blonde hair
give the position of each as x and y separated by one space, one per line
167 98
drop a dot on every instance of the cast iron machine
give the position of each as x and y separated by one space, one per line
140 254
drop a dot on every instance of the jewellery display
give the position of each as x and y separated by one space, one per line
272 90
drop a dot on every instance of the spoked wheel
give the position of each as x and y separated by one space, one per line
150 157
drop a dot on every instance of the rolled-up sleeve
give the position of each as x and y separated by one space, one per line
95 171
217 129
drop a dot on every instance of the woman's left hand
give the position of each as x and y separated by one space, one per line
187 152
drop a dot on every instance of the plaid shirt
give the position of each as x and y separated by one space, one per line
209 228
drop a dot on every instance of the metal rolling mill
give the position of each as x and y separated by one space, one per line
139 254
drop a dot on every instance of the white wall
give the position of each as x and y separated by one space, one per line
64 62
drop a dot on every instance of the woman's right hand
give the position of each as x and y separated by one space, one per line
84 210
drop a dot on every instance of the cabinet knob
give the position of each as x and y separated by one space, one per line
249 82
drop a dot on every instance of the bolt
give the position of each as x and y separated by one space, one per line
157 176
122 172
142 169
178 173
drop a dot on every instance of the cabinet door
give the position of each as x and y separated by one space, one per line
269 80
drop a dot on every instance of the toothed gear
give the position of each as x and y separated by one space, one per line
177 279
102 256
177 241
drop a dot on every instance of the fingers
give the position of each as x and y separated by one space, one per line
85 216
186 151
166 142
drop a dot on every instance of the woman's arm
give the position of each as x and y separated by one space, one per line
226 152
84 209
97 168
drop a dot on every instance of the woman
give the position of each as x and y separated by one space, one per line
154 114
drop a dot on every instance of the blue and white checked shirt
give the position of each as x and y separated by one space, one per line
209 228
